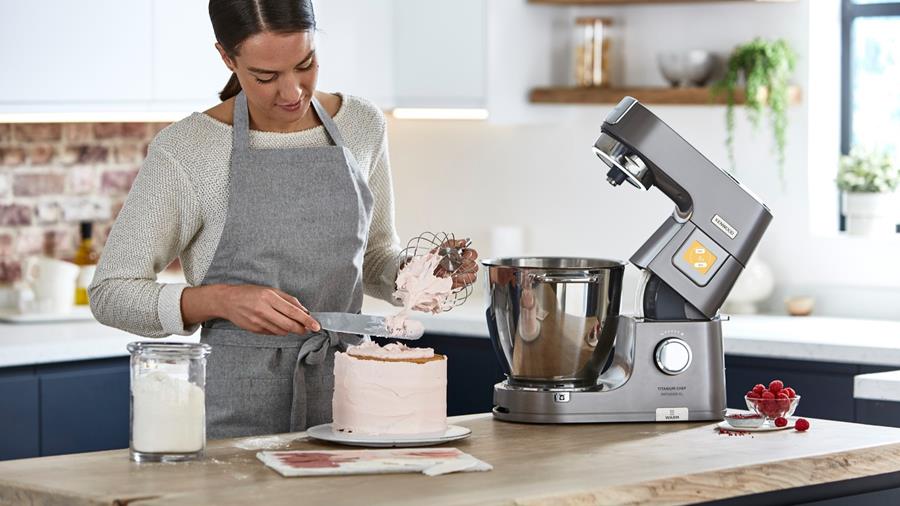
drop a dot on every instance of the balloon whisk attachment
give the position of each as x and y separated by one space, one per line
457 261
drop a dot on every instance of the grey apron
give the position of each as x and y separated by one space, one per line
298 220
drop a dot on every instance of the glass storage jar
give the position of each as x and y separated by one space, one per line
168 408
592 51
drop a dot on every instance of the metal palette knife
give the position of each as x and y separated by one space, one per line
362 324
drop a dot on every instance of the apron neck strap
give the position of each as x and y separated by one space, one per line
329 124
241 123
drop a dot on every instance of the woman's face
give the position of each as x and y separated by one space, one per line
278 73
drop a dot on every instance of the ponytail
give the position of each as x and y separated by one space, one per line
232 88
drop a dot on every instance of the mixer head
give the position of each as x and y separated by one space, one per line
623 164
696 255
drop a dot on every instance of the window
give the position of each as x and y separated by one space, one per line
870 75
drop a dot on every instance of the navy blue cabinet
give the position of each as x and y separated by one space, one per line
878 412
472 371
19 414
826 388
64 408
84 406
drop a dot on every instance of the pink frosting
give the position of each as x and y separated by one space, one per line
401 327
389 351
419 290
378 397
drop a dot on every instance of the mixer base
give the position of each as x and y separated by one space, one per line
636 387
647 416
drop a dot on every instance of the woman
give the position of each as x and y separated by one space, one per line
277 200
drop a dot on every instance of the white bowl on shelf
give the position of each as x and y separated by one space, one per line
686 68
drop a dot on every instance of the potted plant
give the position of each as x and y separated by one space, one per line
764 67
868 179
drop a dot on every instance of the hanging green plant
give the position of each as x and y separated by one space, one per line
765 68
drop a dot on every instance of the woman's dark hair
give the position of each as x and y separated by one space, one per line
234 21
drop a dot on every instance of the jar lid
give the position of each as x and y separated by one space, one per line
174 350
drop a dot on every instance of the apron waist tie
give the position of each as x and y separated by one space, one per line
313 351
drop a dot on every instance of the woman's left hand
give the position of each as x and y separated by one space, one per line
466 273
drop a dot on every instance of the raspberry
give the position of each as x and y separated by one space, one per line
752 395
783 402
767 395
780 421
790 392
775 409
775 386
759 388
801 424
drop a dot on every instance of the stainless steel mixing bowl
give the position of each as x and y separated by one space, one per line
553 320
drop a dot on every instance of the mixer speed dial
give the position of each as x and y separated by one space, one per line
673 356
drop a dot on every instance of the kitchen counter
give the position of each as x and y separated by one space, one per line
881 386
876 398
43 343
840 340
819 338
824 339
674 463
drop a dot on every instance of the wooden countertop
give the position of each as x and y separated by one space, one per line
666 463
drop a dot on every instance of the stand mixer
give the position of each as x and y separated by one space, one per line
554 322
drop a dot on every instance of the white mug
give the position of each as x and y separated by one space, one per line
18 297
53 283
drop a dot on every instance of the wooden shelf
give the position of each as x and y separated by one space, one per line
670 96
642 2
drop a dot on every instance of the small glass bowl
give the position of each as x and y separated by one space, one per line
771 409
740 420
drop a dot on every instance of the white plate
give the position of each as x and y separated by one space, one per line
763 428
78 313
325 432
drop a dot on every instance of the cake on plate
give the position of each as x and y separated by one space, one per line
390 390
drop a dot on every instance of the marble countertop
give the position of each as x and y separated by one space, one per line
43 343
880 386
841 340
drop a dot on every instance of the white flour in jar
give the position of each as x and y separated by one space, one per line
168 415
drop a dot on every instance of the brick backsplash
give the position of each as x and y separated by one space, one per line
54 175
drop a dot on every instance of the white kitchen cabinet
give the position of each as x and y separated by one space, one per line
439 51
58 54
108 56
484 54
404 53
188 72
353 45
146 56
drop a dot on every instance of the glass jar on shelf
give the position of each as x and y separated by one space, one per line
592 51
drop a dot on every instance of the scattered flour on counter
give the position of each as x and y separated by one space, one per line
265 443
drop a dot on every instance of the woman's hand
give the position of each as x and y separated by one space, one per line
466 273
259 309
